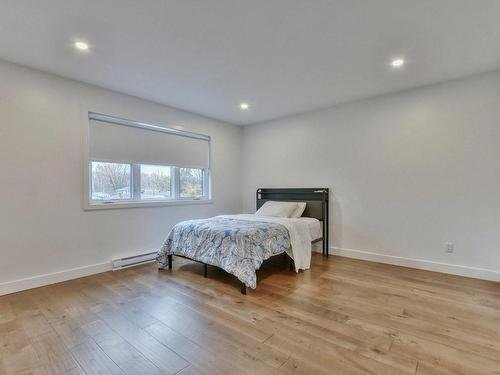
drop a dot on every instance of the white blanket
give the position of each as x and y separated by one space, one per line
300 237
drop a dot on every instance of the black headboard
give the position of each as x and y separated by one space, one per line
316 204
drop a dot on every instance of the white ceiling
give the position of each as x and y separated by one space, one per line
281 56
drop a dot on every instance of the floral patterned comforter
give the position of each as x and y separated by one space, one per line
237 246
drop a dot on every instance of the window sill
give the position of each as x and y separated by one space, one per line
135 204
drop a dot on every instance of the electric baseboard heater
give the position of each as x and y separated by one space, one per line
133 260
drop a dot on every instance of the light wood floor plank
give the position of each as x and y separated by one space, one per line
216 338
164 358
6 313
17 355
203 360
191 370
130 360
93 360
53 354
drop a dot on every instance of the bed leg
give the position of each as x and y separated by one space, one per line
205 270
292 265
243 289
169 261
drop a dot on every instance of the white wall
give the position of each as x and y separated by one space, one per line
409 172
43 227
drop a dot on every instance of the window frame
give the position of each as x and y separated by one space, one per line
135 175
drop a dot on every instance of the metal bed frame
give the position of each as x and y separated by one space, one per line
316 199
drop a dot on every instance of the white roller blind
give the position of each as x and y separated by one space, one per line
147 144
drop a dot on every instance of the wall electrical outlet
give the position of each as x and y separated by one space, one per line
450 247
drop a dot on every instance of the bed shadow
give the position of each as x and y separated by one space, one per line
272 267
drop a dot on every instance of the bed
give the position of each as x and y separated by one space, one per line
239 244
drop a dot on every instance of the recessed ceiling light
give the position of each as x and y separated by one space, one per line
82 46
397 63
244 106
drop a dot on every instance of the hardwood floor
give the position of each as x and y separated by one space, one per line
341 317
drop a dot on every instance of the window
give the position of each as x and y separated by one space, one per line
191 182
132 164
111 181
156 182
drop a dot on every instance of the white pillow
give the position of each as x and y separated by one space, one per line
277 209
301 206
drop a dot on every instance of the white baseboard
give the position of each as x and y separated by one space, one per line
52 278
454 269
74 273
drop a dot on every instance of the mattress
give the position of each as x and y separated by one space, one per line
315 227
